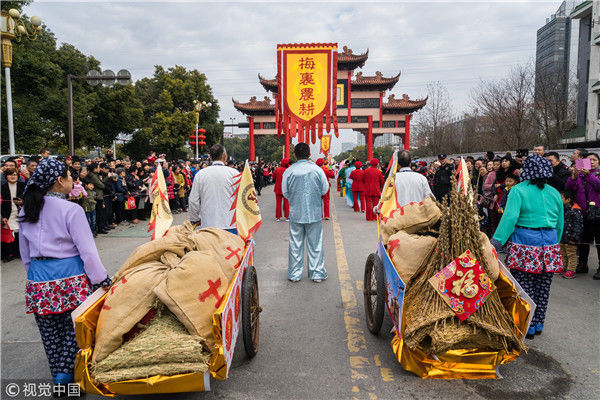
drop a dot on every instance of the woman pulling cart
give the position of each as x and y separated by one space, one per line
61 260
532 224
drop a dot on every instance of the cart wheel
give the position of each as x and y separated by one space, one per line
374 292
250 311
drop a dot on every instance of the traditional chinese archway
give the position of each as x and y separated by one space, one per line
360 106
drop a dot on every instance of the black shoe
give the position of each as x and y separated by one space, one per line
102 232
109 227
596 276
530 336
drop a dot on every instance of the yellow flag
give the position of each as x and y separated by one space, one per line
388 201
161 217
247 213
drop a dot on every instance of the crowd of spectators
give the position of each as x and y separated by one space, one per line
493 176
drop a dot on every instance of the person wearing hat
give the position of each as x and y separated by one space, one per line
373 182
329 174
279 199
61 260
532 225
358 187
441 179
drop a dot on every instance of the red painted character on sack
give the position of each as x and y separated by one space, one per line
329 174
358 187
373 182
277 177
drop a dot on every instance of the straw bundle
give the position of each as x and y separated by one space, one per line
430 323
163 347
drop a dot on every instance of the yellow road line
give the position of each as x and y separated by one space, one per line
355 339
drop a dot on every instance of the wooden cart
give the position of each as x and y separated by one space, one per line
240 309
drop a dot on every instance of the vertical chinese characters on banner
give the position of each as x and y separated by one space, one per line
325 144
306 101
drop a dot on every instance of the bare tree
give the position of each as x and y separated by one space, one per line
554 108
507 106
432 123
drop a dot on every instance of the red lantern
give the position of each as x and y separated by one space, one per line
201 137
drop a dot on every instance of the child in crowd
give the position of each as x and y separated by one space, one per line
78 192
89 206
571 233
510 181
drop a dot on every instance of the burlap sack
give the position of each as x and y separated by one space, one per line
408 252
129 299
227 248
177 240
490 256
411 218
193 291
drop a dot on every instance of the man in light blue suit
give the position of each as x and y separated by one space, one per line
303 184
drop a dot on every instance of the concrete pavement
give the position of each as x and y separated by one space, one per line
314 343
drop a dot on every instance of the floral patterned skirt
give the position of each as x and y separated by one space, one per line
56 285
534 251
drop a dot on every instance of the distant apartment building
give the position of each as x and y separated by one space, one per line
347 146
587 133
360 139
387 139
553 54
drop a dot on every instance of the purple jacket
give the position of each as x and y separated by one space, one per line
61 232
578 185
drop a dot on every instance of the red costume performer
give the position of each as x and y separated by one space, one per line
329 174
277 177
358 187
373 182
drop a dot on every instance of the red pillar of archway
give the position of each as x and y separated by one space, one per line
251 137
370 139
407 132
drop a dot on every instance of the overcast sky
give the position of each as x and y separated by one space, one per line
455 42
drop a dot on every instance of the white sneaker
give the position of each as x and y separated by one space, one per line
317 280
294 280
287 220
277 219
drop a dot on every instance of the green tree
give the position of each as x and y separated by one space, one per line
39 87
383 154
267 148
7 5
168 104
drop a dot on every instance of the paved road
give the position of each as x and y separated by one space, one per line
314 343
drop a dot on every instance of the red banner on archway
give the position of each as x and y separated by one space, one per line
307 81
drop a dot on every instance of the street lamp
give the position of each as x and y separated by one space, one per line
199 106
93 77
13 27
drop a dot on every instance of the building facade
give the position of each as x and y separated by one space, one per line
552 54
347 146
587 132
